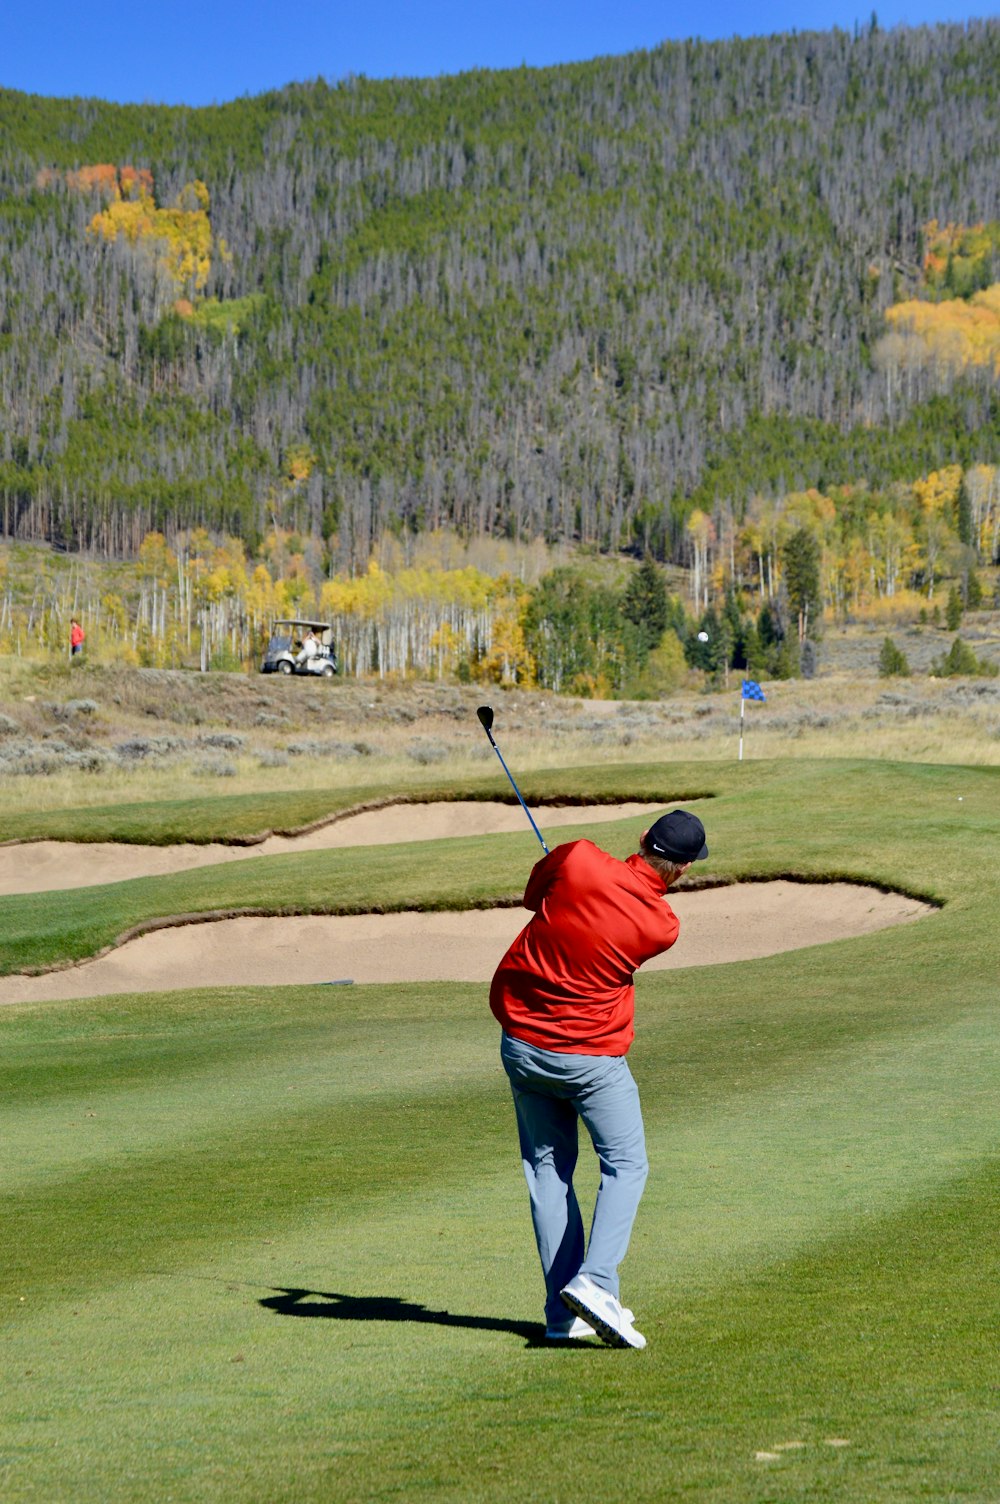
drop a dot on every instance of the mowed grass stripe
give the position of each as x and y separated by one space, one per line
67 1049
882 1335
84 1129
125 1214
258 1044
844 1340
385 1042
835 1132
862 1132
841 1343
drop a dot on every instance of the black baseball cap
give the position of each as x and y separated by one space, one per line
679 836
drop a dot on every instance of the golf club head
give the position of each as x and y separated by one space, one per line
485 714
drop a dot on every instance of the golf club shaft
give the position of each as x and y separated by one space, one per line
514 786
517 791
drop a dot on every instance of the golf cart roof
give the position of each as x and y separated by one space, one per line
294 621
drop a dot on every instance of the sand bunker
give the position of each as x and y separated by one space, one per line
735 923
37 866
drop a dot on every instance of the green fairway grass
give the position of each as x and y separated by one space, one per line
274 1244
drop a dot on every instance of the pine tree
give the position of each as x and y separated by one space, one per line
770 628
754 653
785 660
708 655
892 660
953 610
801 559
963 507
646 603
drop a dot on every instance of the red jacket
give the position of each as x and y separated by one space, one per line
75 635
566 982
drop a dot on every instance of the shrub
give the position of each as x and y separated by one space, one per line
224 741
960 659
87 760
224 660
953 610
665 671
892 610
30 760
71 709
308 746
38 759
143 748
891 660
214 767
425 753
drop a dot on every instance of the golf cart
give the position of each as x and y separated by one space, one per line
287 651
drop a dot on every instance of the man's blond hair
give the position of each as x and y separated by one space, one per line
661 865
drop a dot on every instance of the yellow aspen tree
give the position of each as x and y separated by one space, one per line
508 660
936 496
444 645
955 333
751 543
855 573
179 237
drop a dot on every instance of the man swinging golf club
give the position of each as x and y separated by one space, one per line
564 997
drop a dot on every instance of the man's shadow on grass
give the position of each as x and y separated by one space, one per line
337 1307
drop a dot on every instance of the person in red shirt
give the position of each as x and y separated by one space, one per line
75 637
564 997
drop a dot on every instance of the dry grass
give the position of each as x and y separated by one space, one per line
854 650
98 736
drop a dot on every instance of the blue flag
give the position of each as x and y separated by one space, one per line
752 691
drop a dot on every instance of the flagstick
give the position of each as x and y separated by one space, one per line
742 703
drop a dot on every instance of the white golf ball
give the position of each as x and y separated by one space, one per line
702 636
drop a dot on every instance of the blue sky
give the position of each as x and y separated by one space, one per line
220 49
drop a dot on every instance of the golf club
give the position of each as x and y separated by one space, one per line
485 714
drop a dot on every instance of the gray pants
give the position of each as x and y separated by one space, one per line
551 1093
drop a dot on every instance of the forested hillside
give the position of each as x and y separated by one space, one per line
581 303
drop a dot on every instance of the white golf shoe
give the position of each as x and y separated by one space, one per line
570 1330
609 1318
